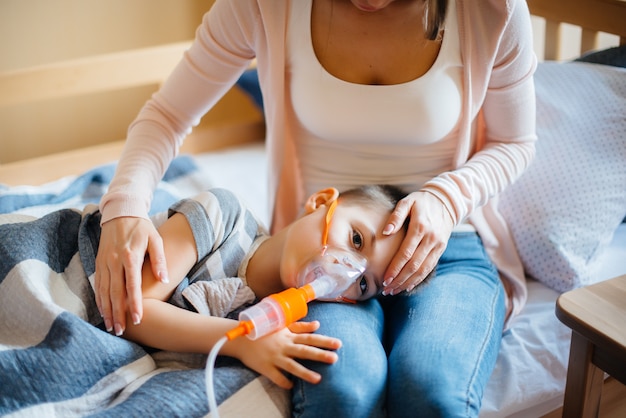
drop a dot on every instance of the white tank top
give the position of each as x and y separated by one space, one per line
351 134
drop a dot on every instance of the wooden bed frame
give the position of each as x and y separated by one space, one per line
231 124
108 72
150 66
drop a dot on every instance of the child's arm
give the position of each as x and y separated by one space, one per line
169 327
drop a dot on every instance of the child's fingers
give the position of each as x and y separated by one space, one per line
298 370
292 368
304 327
278 378
289 366
311 353
316 340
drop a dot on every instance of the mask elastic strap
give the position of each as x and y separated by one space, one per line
329 217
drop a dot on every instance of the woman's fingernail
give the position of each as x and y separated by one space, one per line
136 319
118 330
107 325
388 229
388 281
163 277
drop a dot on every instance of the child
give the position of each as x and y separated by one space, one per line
215 246
214 236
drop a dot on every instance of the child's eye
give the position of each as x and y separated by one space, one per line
363 285
357 240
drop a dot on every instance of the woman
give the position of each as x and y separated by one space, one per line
433 96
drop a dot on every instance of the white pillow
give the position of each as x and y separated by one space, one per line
564 210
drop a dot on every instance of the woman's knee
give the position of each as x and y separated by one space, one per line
355 385
432 393
442 354
359 393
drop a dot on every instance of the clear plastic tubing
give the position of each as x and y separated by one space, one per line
277 311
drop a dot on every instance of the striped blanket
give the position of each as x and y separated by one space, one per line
55 357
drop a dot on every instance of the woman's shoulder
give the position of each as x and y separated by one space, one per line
490 10
497 21
246 22
265 8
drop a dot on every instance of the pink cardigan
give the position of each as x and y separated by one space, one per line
493 150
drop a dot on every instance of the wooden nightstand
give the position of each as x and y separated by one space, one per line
597 316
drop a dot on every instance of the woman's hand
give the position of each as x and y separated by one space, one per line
276 353
430 226
124 243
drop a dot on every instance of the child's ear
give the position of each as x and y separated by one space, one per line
320 198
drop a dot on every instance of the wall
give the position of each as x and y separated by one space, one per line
37 32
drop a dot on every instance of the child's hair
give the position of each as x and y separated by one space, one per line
383 195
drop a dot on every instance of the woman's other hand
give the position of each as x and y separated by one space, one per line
430 226
276 354
124 243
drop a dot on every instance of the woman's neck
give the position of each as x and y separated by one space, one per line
385 47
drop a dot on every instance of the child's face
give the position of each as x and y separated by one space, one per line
354 228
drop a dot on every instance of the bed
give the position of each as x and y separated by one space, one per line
567 215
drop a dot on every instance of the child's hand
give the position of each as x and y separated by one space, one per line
276 353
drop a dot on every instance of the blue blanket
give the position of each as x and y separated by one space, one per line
55 357
78 191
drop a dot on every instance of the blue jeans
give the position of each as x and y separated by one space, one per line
428 353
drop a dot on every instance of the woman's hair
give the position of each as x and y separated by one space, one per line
434 17
383 195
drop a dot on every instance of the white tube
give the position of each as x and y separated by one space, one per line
208 377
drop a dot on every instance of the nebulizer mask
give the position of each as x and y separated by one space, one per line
325 276
331 272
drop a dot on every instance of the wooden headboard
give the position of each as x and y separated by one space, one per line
235 119
592 16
